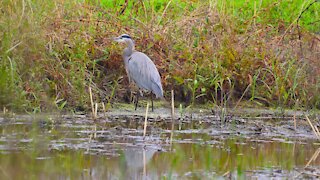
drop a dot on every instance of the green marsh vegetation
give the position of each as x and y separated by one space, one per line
254 52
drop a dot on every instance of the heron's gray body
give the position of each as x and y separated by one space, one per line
140 68
144 73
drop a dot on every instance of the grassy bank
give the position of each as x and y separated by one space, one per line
252 52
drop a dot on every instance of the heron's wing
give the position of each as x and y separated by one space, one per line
144 73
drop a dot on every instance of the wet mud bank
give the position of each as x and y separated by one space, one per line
245 123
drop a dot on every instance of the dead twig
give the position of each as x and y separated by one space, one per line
296 20
124 7
83 20
298 27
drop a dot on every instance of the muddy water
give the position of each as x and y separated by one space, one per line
112 147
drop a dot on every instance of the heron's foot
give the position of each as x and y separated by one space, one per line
151 102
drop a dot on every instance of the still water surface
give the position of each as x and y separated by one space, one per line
77 148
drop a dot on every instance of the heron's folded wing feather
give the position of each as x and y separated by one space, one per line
144 73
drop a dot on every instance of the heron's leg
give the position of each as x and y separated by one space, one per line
151 101
136 101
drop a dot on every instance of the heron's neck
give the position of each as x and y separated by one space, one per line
129 49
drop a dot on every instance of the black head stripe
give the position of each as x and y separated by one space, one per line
126 36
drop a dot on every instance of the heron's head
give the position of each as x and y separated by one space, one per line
124 38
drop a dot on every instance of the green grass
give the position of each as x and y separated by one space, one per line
207 51
273 12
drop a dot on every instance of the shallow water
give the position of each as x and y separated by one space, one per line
76 147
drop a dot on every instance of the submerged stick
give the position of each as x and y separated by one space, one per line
144 164
172 116
314 157
145 121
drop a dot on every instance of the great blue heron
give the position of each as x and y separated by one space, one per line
141 69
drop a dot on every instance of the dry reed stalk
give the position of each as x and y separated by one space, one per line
226 174
172 116
96 110
95 131
314 128
13 47
145 121
244 92
91 100
104 110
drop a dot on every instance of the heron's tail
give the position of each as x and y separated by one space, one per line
157 90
